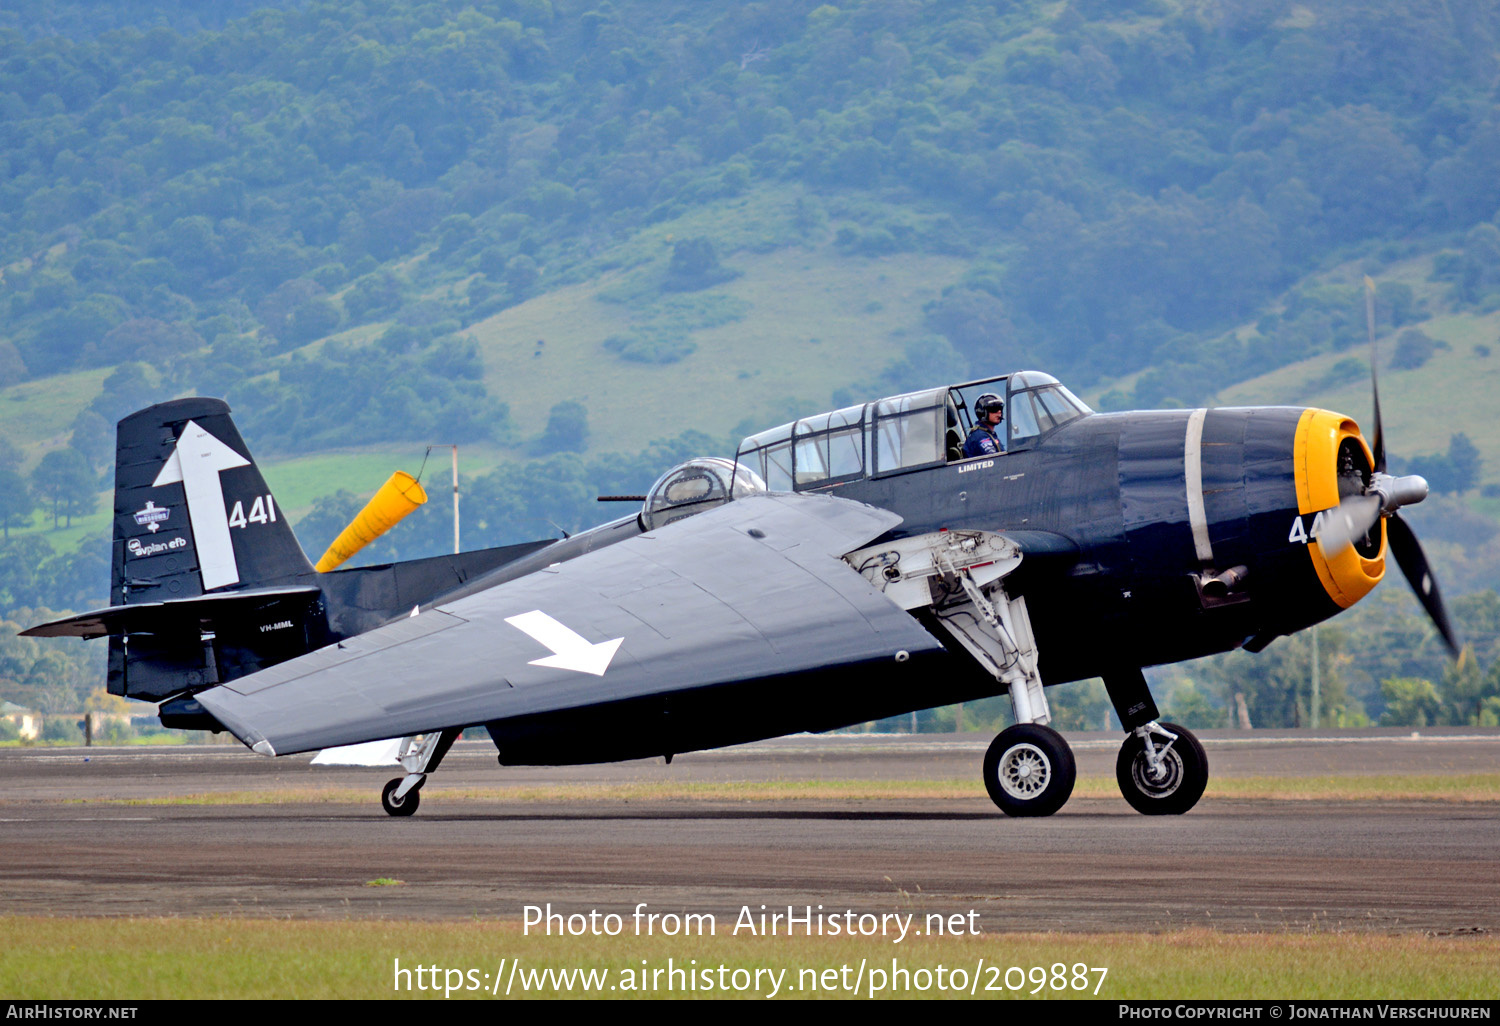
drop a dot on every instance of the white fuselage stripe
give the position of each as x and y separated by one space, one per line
1192 459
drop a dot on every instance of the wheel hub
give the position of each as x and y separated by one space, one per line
1159 781
1024 771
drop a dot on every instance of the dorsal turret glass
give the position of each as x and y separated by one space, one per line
696 487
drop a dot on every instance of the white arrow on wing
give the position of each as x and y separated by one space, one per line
196 462
571 651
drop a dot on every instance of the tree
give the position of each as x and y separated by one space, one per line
567 429
1409 702
1455 471
1189 706
1464 690
145 338
16 501
129 388
695 265
1413 349
312 319
94 437
1277 683
12 367
64 479
522 275
1463 457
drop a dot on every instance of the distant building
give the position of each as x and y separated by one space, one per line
28 722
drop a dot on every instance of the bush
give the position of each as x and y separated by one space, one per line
61 728
660 349
1413 349
695 265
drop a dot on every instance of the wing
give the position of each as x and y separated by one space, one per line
753 589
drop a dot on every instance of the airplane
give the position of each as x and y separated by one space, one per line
842 568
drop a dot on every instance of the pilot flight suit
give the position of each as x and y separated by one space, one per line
983 441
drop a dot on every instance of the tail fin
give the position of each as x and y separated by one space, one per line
192 511
209 583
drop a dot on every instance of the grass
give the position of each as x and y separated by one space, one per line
37 416
129 959
1470 787
808 328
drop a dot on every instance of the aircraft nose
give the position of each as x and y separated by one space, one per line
1334 473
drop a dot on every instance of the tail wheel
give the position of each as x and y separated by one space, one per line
1179 783
403 806
1029 770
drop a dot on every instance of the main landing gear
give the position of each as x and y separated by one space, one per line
419 755
960 576
1029 769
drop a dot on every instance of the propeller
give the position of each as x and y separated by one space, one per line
1383 496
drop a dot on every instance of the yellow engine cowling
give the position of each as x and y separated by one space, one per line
401 494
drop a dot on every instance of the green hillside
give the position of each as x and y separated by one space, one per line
1456 390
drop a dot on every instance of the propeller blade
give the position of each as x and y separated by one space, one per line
1348 522
1378 448
1413 563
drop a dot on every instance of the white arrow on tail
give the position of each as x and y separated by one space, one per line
196 463
571 651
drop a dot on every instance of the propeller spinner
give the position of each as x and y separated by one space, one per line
1383 496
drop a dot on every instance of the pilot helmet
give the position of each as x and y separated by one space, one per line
987 404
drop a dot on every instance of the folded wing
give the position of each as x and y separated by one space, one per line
753 589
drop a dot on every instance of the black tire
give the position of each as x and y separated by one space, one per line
1029 770
406 805
1185 777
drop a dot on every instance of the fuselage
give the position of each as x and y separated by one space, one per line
1146 509
1150 530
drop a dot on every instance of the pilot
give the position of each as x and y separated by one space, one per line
985 440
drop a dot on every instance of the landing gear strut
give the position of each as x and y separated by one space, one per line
960 576
1162 769
419 756
404 805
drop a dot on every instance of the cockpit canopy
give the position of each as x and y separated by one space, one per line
904 432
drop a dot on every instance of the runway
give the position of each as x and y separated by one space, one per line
1231 864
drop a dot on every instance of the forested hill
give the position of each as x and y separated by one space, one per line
1120 179
559 231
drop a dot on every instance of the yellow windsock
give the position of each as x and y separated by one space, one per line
396 498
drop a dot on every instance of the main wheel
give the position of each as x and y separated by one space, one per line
1177 788
1029 770
403 806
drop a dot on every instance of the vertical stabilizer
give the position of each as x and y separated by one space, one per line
192 511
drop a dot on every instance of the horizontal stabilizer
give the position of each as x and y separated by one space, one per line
169 616
371 753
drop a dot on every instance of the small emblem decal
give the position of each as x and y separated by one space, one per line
152 517
138 549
